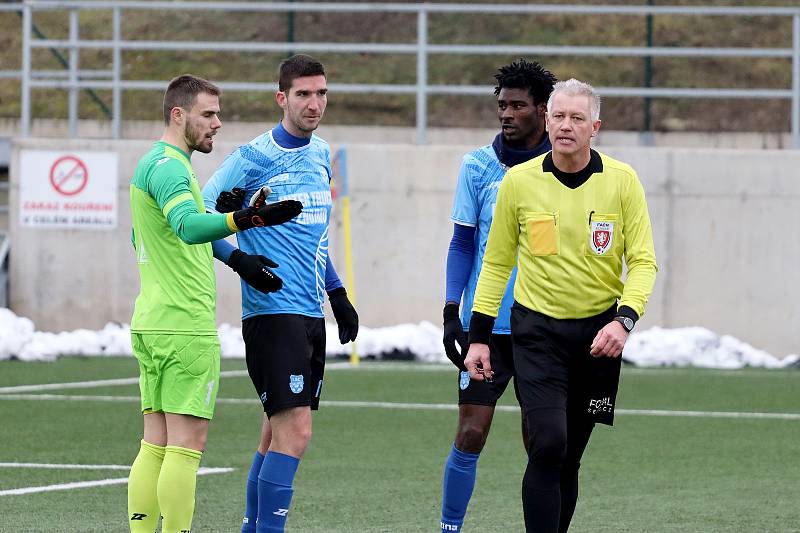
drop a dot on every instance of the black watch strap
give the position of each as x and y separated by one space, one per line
626 321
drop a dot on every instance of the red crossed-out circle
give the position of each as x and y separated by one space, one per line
69 175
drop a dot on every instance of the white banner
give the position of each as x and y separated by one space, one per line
68 189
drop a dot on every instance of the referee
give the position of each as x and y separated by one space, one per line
567 219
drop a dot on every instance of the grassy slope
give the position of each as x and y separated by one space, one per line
373 470
619 113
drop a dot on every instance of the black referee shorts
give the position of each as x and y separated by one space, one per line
285 359
473 392
555 369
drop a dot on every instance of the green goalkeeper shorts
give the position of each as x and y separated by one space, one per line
178 373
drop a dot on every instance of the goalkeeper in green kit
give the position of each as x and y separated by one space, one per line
173 329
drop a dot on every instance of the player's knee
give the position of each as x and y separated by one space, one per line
191 440
297 448
471 437
293 443
548 449
304 437
198 442
547 440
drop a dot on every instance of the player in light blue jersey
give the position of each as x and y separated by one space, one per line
292 171
284 331
522 91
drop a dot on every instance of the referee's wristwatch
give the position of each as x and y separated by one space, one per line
626 321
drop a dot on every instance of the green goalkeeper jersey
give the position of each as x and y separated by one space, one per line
178 289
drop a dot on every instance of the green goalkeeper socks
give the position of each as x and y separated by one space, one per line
143 511
176 487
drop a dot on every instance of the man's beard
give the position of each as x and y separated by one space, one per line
298 123
194 139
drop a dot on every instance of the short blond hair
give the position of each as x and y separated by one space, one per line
573 87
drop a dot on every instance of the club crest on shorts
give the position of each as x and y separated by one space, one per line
263 397
601 236
463 380
296 383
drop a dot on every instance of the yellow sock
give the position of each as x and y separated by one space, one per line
143 512
176 485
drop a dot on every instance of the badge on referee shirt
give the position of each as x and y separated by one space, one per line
601 236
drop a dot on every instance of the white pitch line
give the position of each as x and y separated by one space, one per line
70 397
72 385
225 374
96 483
102 398
375 366
401 405
515 409
747 372
96 383
708 414
55 466
420 406
64 486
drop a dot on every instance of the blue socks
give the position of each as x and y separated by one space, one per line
251 495
459 480
275 491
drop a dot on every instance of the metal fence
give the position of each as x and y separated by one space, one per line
73 79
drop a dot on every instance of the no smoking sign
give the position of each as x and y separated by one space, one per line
68 189
69 175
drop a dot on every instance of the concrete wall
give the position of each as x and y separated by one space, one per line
240 132
725 225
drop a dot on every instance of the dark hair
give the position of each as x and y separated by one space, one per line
183 90
298 66
524 74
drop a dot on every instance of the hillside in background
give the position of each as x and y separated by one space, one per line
463 111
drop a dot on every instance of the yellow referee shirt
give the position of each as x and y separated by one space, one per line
569 244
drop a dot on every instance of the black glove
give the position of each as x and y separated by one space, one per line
345 314
454 333
255 270
267 215
228 202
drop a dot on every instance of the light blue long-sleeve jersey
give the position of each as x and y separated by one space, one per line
476 193
300 246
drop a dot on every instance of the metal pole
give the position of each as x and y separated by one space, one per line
422 75
73 73
116 92
796 82
26 71
648 71
290 29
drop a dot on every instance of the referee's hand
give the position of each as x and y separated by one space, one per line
478 362
609 341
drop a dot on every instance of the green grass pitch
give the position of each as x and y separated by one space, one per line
378 468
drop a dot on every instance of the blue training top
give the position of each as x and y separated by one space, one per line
476 195
300 247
